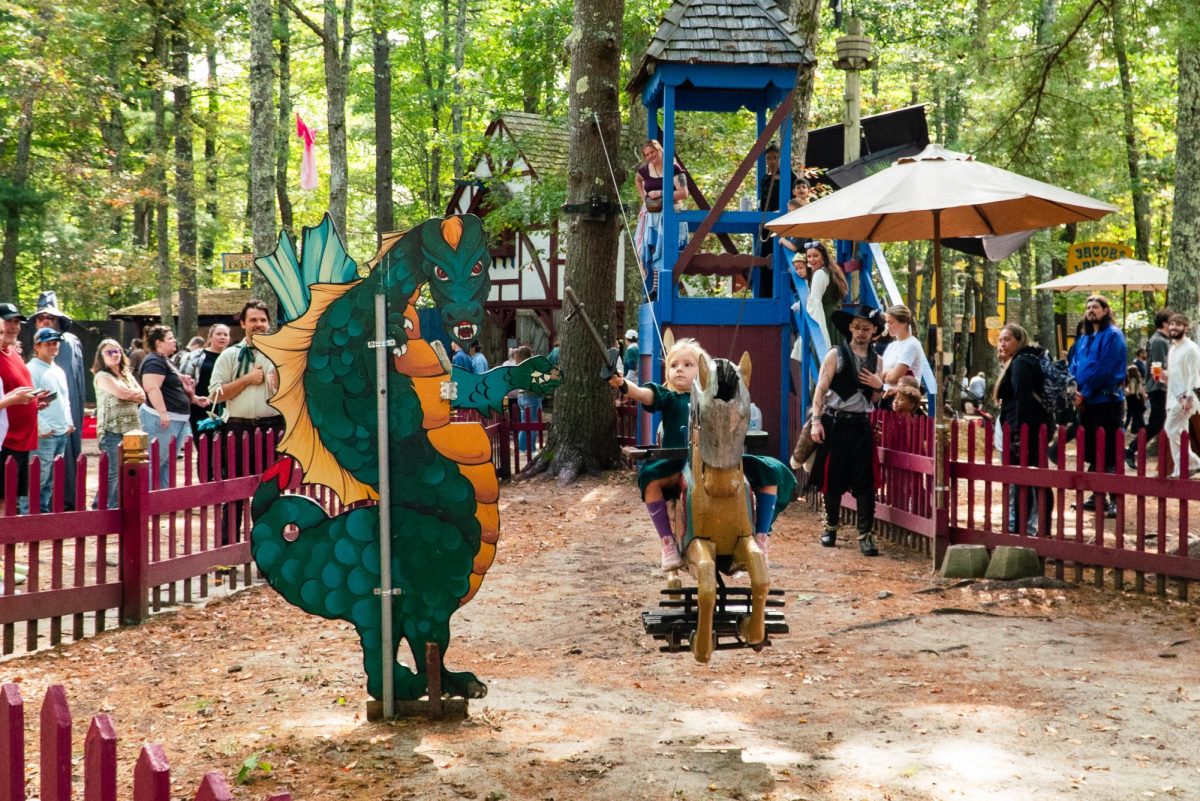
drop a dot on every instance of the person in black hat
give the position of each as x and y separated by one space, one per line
848 387
70 359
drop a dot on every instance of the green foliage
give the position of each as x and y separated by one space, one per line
250 765
1040 96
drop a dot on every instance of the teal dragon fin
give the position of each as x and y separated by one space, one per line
323 260
282 270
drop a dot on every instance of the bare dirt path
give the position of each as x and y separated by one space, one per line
879 692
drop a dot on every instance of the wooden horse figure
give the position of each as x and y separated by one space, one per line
716 520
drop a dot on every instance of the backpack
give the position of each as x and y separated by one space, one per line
1054 396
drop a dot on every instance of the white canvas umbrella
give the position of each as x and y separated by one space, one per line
935 194
1122 274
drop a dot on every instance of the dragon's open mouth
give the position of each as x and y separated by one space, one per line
465 331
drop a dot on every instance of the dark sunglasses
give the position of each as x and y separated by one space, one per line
813 244
112 353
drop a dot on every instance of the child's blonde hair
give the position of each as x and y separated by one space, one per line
687 343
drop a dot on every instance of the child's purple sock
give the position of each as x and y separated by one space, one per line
661 518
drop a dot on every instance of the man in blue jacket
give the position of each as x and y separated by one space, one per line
1099 371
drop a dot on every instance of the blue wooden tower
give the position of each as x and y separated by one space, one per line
727 56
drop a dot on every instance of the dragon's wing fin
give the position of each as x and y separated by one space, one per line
281 268
324 259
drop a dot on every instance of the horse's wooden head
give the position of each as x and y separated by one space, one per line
721 412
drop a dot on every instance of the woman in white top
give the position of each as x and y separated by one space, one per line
904 355
813 266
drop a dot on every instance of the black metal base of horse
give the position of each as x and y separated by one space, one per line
675 622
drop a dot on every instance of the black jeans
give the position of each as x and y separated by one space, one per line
1158 416
1107 417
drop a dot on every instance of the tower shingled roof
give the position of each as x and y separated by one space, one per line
741 32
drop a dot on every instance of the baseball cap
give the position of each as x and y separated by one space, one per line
43 335
631 334
10 312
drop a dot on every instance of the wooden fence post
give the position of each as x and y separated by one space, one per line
152 775
12 739
135 524
100 760
505 435
56 745
213 787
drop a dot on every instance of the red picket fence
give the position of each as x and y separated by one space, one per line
85 569
1149 534
151 773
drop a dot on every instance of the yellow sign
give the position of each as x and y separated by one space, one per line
994 323
1083 255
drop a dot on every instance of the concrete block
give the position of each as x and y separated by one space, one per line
965 561
1012 562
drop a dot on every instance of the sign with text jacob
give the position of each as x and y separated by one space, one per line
1082 255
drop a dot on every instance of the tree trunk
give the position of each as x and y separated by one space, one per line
805 15
385 215
435 84
283 137
1045 302
582 434
456 103
926 301
18 177
1184 263
185 174
337 68
983 353
1137 189
1028 314
962 338
262 136
158 104
208 234
113 132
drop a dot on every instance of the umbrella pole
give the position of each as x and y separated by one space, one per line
939 416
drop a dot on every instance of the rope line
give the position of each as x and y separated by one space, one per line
612 175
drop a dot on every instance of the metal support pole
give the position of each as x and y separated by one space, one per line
385 527
939 416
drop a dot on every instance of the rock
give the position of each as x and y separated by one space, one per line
1012 562
883 594
965 561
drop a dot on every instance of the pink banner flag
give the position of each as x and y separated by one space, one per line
308 164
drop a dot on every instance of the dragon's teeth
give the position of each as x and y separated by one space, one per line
403 349
408 323
397 352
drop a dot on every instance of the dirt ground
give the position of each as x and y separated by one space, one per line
882 689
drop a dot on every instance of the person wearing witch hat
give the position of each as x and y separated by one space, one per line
70 359
848 387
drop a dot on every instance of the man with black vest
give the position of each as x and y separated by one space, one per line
847 389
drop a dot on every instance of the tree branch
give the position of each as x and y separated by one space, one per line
304 18
1038 92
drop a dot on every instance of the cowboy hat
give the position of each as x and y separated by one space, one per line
48 304
841 317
